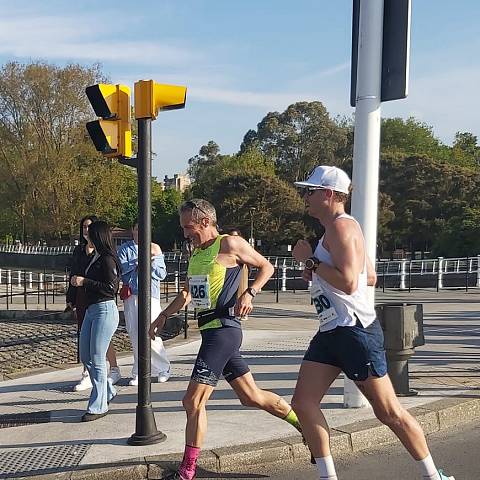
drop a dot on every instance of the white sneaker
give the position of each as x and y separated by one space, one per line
134 381
163 377
84 384
115 375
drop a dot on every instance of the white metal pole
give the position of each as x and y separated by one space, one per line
366 146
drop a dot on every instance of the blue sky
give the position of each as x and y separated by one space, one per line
241 60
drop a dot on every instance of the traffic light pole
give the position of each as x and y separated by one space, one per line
146 432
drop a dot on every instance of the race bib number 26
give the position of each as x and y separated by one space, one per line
199 291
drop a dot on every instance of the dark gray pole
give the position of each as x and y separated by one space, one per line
146 431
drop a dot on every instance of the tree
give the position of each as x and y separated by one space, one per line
410 137
426 194
166 229
298 139
50 174
460 236
465 150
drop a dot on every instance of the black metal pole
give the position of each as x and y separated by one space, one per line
466 275
146 431
25 289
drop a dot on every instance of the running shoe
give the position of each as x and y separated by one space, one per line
443 476
84 384
163 377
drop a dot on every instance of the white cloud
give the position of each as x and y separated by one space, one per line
51 37
275 101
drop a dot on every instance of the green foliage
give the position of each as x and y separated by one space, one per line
244 189
50 174
460 236
166 229
300 138
426 195
410 137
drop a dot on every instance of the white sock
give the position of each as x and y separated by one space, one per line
429 470
326 468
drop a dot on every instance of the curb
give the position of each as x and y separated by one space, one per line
354 437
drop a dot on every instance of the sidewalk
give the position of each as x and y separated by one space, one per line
445 372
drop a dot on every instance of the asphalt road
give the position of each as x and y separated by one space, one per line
456 450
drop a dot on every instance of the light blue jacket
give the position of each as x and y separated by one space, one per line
128 256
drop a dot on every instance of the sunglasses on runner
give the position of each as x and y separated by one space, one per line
191 204
310 190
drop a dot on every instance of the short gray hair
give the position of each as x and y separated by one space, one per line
200 209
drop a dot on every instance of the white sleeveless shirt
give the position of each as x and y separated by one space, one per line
334 307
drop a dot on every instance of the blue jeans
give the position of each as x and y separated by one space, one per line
99 325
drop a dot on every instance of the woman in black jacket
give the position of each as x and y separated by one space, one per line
101 280
76 301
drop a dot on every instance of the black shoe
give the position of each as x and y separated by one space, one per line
90 417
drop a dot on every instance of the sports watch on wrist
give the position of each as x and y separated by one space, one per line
312 263
251 291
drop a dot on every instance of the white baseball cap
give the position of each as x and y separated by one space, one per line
324 176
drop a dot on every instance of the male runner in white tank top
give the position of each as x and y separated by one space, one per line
350 338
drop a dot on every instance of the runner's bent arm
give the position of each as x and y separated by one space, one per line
246 255
347 260
182 299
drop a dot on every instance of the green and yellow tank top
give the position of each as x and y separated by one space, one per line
213 286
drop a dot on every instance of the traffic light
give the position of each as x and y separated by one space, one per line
152 97
112 134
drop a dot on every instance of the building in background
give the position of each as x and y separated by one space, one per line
178 182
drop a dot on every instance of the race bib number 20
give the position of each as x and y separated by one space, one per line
199 291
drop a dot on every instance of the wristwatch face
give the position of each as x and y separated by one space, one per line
252 291
309 264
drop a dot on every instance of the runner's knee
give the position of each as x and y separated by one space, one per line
193 404
392 416
303 405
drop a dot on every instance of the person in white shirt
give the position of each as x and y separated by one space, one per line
349 338
128 256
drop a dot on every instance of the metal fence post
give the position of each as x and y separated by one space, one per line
440 274
25 289
277 282
478 271
466 274
284 278
53 288
403 271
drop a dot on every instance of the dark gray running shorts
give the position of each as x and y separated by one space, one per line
219 354
356 350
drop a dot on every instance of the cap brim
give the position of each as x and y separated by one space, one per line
306 184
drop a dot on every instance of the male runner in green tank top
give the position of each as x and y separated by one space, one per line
212 282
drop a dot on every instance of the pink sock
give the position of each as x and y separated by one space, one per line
189 463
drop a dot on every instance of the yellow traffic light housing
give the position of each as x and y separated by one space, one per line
112 135
152 97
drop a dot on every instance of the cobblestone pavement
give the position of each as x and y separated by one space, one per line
43 341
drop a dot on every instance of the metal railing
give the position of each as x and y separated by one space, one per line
21 287
37 250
